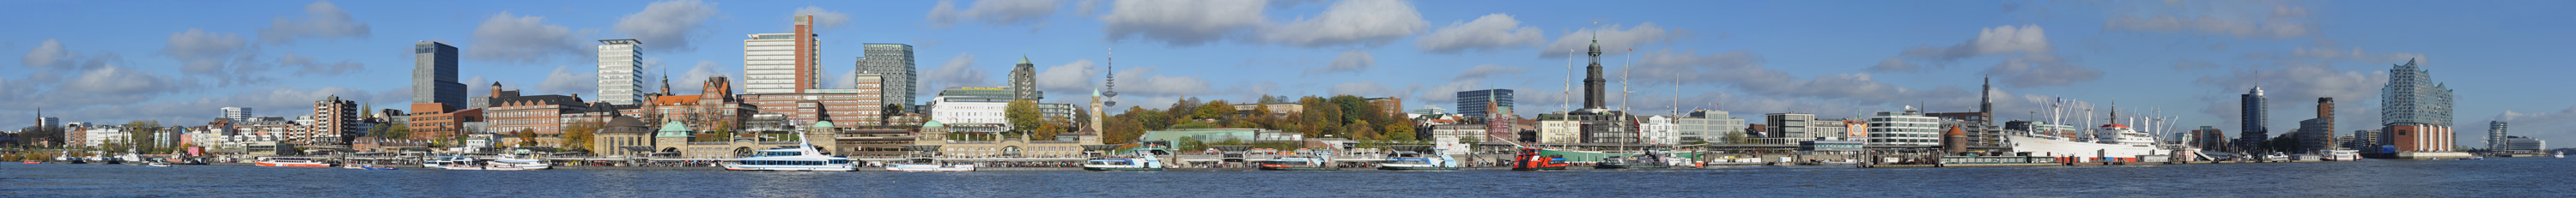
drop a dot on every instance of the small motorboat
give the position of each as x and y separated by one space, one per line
32 162
157 164
368 167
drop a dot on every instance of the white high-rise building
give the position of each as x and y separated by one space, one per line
621 80
780 63
1907 128
236 114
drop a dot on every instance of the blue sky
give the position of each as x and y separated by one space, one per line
177 61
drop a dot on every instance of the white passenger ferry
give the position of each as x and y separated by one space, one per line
803 157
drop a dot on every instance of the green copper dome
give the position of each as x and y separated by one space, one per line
673 129
933 123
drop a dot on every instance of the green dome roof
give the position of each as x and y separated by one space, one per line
933 123
826 124
673 129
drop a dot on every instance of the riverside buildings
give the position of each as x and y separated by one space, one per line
972 106
781 63
1484 102
2496 134
2415 115
542 116
2318 133
433 76
1707 125
621 80
1909 128
235 113
334 121
894 63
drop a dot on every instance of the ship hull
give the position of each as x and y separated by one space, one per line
2062 148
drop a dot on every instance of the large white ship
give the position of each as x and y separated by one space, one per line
2111 140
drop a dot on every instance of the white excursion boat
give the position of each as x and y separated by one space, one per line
1409 160
1143 161
2111 140
291 162
514 161
803 157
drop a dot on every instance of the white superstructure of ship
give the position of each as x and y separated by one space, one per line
2106 140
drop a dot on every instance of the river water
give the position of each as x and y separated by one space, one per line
2495 177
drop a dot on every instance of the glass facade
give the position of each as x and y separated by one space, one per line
620 71
1472 103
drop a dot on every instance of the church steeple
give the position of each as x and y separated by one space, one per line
1592 82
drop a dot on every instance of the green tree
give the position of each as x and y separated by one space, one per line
1213 109
399 132
526 137
1400 130
577 135
1151 119
1023 115
379 131
1740 138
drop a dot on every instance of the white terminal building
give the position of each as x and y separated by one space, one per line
1909 128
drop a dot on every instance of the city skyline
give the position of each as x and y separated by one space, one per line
175 61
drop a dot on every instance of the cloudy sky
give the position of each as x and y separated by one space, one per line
178 61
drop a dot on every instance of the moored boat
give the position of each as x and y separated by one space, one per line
928 167
1640 161
802 157
1143 161
2112 141
291 162
515 161
158 164
1409 160
1298 163
1530 160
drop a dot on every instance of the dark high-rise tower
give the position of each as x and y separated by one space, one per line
433 76
2253 118
1592 78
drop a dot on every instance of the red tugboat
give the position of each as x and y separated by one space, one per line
1529 160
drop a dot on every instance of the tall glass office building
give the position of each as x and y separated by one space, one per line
620 80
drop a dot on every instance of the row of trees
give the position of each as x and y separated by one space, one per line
1341 116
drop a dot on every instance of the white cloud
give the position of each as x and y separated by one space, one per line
2193 65
1181 22
326 21
2029 39
566 80
958 72
1349 61
279 102
306 65
2041 70
50 53
1087 8
996 12
1742 70
825 20
1486 70
1894 64
1448 92
669 25
204 52
1613 40
1490 32
1141 82
693 81
506 38
1069 78
1351 22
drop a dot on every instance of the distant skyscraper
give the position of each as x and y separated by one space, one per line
433 76
2495 134
894 63
621 75
2253 117
236 114
1024 81
1473 103
2414 111
780 63
334 120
